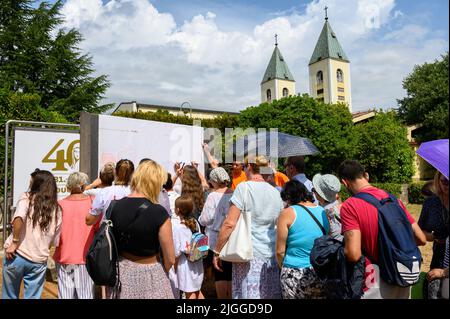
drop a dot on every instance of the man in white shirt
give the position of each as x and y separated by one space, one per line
295 169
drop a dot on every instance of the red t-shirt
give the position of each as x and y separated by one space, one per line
357 214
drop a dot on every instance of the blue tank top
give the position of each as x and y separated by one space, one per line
302 234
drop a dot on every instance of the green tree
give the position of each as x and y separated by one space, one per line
21 106
328 126
426 101
384 149
38 57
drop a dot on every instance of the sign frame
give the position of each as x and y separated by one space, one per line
10 127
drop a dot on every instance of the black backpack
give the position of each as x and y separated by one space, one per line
102 258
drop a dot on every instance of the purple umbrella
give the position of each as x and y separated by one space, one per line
436 154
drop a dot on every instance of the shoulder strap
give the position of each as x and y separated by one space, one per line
369 199
315 219
110 208
246 198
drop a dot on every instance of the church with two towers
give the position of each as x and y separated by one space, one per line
329 73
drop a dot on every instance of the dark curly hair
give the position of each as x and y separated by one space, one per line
43 198
295 192
192 187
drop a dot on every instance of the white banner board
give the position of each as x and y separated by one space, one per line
165 143
55 151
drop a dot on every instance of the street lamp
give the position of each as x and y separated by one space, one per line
188 105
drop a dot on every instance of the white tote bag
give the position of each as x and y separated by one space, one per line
239 247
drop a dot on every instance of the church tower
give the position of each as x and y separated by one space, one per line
329 70
278 81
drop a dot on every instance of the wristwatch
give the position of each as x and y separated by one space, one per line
15 240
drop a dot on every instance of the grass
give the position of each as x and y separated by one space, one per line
427 253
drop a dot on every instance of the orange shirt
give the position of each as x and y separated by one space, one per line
239 179
281 179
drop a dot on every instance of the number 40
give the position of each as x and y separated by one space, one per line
62 156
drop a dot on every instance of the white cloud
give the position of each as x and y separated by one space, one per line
151 59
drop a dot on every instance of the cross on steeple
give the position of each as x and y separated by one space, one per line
276 39
326 13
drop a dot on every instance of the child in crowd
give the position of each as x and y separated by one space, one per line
189 275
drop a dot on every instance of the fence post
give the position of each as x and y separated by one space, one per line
404 194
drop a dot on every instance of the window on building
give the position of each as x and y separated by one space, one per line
340 89
319 77
340 75
269 95
285 92
321 99
319 91
341 98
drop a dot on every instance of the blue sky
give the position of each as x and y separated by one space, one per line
250 12
214 53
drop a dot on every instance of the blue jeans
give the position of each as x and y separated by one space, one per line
33 275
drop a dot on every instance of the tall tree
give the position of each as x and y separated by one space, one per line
384 150
37 56
426 101
329 126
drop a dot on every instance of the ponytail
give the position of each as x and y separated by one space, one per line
124 170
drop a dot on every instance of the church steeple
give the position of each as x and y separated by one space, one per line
277 68
329 69
328 46
277 81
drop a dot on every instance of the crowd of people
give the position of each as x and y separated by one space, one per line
155 214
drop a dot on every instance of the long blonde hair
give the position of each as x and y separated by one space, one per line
148 180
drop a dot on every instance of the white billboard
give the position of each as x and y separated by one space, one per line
55 151
165 143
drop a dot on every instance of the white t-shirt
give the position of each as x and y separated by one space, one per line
213 214
189 274
172 197
92 192
106 195
177 187
265 205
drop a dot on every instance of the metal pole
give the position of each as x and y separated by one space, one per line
5 191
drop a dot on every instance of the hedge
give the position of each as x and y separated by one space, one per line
415 195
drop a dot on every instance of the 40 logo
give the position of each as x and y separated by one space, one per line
61 157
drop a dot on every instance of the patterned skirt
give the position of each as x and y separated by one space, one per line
301 283
143 281
257 279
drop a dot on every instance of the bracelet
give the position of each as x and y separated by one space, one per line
215 253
